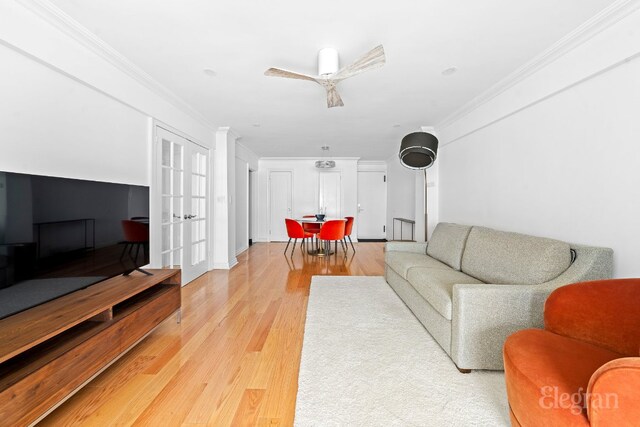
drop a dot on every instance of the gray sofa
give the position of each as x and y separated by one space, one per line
471 287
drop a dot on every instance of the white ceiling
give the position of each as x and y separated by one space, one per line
174 41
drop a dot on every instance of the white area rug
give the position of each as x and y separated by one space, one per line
367 361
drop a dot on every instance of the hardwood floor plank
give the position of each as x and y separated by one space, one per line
247 412
233 360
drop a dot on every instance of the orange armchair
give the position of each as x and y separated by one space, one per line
583 369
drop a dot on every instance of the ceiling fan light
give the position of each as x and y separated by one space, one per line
328 61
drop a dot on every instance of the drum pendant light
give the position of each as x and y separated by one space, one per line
418 151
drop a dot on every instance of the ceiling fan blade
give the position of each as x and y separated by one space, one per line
333 98
277 72
373 59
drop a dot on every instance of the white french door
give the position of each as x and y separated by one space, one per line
182 191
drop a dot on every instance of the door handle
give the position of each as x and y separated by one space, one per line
189 216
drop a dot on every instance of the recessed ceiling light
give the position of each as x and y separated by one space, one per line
396 126
449 71
209 72
256 125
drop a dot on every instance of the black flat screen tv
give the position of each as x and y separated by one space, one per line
60 235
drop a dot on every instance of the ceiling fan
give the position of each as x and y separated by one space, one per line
329 74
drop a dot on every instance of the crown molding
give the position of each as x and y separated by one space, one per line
309 158
603 20
229 131
65 23
372 162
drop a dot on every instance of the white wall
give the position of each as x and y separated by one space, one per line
70 109
242 205
54 125
401 197
305 189
556 154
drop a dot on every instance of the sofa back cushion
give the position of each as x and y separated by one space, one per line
447 243
510 258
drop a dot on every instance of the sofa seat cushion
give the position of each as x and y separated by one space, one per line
402 262
436 286
501 257
547 375
447 243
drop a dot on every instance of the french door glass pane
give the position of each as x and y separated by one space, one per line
172 203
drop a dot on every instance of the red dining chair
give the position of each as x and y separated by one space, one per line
311 227
136 234
347 232
295 232
332 231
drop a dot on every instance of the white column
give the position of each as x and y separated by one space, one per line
224 226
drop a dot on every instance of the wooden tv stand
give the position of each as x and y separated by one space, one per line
49 352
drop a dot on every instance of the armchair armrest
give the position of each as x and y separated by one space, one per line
614 392
419 248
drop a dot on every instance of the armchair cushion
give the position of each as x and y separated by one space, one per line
547 377
447 243
402 262
502 257
602 312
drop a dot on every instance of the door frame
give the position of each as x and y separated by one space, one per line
269 194
386 201
155 196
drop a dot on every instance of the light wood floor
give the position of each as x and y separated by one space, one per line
233 360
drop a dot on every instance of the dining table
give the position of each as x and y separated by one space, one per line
318 251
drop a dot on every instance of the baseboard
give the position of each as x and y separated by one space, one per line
225 265
371 240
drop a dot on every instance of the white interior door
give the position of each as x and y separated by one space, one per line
280 204
182 191
329 193
372 205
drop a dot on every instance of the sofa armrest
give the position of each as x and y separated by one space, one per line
614 392
484 315
419 248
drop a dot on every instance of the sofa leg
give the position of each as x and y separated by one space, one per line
464 371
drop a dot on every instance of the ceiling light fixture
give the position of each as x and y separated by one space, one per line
256 125
209 72
325 163
449 71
